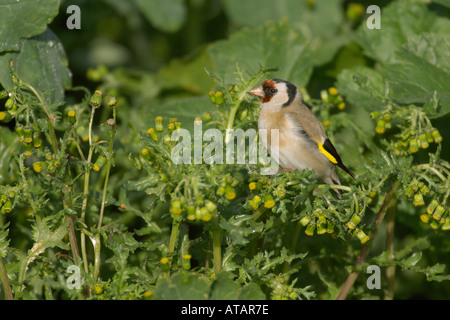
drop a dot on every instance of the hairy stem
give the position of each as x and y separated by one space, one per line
86 192
217 249
365 250
5 281
390 270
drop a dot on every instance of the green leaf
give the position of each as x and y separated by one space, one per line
166 15
42 63
187 74
183 286
252 292
421 68
23 19
318 26
362 86
45 238
272 45
224 287
400 21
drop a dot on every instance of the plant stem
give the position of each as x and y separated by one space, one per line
108 169
390 270
174 235
217 249
86 192
365 250
5 282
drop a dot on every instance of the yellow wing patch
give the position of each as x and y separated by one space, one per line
327 154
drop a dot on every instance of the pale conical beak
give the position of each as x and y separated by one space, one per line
259 92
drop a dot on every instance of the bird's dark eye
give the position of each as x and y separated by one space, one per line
273 91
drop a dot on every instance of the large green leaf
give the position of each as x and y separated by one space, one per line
399 21
23 19
368 96
224 287
318 24
167 15
422 67
274 44
183 286
41 62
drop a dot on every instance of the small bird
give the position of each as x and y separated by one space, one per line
303 143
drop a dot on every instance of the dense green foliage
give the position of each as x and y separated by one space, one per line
88 183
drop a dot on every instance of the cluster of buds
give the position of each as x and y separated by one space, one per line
321 224
412 141
199 209
317 221
417 190
227 187
436 215
282 290
10 106
6 200
157 133
264 193
51 163
383 121
216 97
29 137
415 135
333 96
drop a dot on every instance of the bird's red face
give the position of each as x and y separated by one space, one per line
266 91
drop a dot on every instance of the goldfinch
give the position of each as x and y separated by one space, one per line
303 143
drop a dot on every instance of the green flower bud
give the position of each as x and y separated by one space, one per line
187 262
418 200
362 236
381 126
211 206
101 160
255 202
413 146
446 225
7 207
159 124
436 136
72 116
151 132
330 227
212 96
111 101
310 229
219 97
324 95
375 115
304 221
438 212
354 221
28 149
423 140
28 134
269 202
5 116
321 229
96 99
175 207
37 142
432 206
3 94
